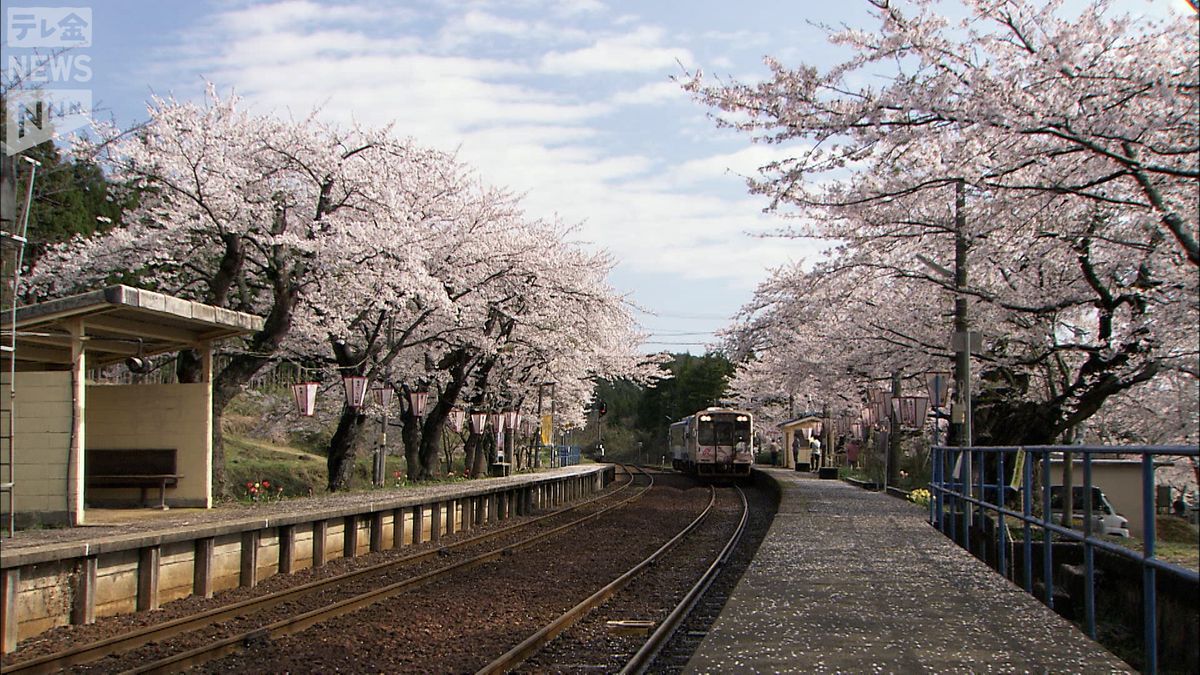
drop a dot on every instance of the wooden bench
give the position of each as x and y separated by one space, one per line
132 468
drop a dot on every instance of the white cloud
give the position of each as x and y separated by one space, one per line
637 51
584 153
467 29
577 7
277 16
741 163
650 94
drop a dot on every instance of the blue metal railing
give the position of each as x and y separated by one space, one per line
566 455
953 507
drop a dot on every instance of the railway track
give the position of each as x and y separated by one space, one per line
639 655
334 596
460 624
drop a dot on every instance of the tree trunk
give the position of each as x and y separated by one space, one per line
470 450
430 440
410 434
422 437
343 448
229 382
483 455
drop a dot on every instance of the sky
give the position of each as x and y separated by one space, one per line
568 102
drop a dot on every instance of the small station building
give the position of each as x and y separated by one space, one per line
138 438
796 434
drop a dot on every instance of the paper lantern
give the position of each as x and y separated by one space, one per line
306 397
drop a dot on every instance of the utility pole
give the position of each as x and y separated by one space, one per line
827 451
892 472
962 340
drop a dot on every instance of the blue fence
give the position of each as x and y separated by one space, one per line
1002 488
565 455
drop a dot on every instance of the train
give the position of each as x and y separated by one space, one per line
714 442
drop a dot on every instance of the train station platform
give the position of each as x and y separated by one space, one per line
853 581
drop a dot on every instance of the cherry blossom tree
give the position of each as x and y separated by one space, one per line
1014 98
1055 158
233 210
366 254
527 308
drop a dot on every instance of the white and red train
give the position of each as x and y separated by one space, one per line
713 442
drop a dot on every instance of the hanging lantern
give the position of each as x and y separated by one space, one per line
914 409
418 400
807 433
496 421
478 421
382 394
356 390
511 419
306 397
937 383
456 418
818 427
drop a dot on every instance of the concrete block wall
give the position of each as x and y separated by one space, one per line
176 571
45 596
227 562
41 445
116 583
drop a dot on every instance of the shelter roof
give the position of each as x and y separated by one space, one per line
804 418
118 322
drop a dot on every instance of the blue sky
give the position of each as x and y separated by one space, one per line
567 101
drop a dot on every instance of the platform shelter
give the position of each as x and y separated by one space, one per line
797 432
60 418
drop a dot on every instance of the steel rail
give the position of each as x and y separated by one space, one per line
296 624
534 643
641 661
119 644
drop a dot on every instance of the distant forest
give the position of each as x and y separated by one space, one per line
637 418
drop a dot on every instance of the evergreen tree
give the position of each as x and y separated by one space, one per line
70 197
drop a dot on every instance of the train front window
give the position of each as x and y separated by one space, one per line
741 430
722 432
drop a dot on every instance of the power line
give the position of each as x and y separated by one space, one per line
698 317
679 333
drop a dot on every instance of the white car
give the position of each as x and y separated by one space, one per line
1105 519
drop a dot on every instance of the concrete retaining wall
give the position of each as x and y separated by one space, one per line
75 583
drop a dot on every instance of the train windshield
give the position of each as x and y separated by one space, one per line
725 431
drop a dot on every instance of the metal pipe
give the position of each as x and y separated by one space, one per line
1000 523
1027 511
1089 564
1047 535
1149 581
